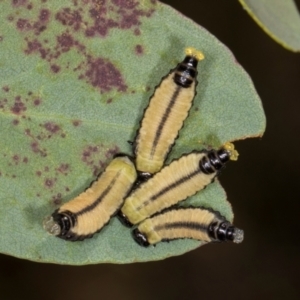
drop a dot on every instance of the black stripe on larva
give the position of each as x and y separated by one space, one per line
164 119
188 225
67 219
186 72
168 188
214 161
220 230
99 199
140 238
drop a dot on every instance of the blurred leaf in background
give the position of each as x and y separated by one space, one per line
279 19
75 77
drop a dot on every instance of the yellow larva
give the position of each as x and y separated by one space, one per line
174 183
87 213
163 118
193 223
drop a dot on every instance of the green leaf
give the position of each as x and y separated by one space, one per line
279 19
75 77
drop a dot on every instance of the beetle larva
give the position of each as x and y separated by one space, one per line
163 118
177 181
193 223
87 213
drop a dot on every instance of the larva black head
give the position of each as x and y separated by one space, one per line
216 159
186 71
123 219
140 238
225 231
213 161
60 224
143 176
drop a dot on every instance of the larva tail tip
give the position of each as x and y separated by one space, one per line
51 226
190 51
238 236
232 152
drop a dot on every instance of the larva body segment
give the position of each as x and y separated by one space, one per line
87 213
163 118
174 183
193 223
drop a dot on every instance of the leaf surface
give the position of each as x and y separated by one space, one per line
75 77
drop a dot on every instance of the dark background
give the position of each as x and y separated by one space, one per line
264 189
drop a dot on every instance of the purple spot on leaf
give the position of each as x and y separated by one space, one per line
37 102
49 182
55 68
76 123
137 31
57 199
127 4
15 122
23 24
44 15
35 147
112 151
16 159
18 106
71 18
139 49
65 42
63 169
19 2
51 127
104 75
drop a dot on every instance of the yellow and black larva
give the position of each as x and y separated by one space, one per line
193 223
177 181
86 214
163 118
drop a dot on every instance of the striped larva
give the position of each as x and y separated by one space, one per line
177 181
193 223
87 213
163 118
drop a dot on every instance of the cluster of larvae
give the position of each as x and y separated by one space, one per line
141 190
